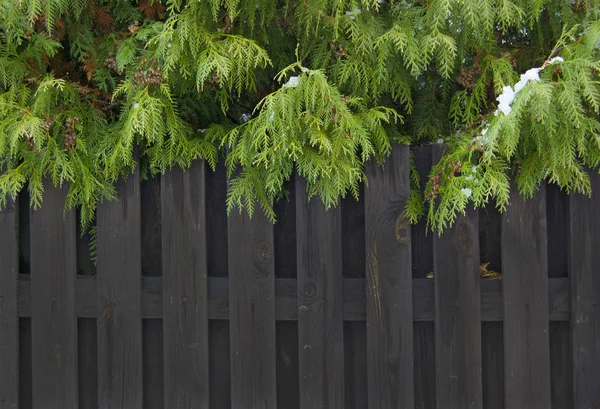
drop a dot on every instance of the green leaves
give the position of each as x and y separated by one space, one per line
84 85
307 125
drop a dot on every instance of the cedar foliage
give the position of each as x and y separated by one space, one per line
313 86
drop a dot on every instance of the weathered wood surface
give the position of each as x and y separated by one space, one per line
185 288
286 299
458 312
390 353
584 270
526 315
320 313
119 290
252 311
458 315
53 319
9 320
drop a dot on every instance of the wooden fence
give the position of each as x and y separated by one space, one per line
187 308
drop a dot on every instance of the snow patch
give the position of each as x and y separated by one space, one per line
466 191
292 82
554 60
508 95
352 14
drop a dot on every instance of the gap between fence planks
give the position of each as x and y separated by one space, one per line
9 320
185 299
120 382
53 319
390 354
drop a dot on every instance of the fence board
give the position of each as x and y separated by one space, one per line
458 315
355 365
389 284
25 375
87 349
53 319
320 316
120 383
526 316
561 376
219 364
286 299
252 311
458 312
424 345
585 296
492 377
9 320
185 299
153 364
287 365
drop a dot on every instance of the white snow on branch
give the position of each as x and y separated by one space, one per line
466 191
556 59
352 14
292 82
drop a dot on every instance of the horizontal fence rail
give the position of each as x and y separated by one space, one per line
286 299
349 308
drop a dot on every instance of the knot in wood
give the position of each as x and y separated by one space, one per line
263 255
401 229
310 290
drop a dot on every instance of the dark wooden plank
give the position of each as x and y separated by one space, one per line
525 290
422 243
25 375
87 349
9 320
389 284
287 365
584 271
561 366
120 380
153 364
53 319
219 364
492 365
457 312
185 288
286 299
355 365
320 316
252 311
424 346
